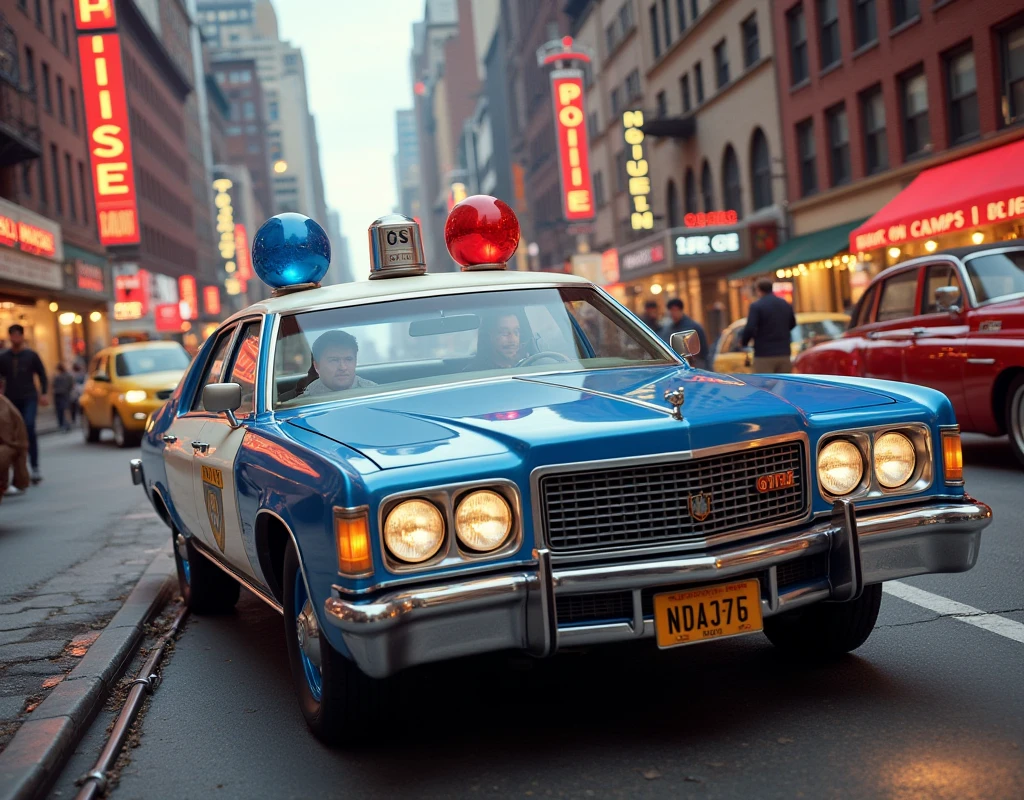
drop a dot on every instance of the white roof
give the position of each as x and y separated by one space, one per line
418 285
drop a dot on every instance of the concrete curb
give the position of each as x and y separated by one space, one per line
44 743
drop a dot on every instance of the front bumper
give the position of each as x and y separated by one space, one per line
518 610
134 415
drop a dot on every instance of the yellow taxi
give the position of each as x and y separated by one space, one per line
125 384
811 328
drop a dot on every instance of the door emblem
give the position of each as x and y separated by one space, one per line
700 506
675 398
213 496
990 326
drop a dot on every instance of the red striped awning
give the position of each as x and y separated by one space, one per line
978 190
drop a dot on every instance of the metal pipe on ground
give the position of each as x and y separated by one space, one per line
94 783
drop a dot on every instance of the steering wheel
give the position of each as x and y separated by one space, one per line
529 361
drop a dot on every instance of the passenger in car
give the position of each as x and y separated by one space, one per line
334 356
498 343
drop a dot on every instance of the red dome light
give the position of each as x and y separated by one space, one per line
567 42
481 230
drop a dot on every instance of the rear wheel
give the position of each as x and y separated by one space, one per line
340 703
826 630
204 588
1015 417
91 434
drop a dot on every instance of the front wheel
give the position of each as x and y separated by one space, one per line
340 703
204 588
91 434
826 630
122 437
1015 417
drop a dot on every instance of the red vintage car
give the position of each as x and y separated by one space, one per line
953 321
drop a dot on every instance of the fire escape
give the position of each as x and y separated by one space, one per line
20 138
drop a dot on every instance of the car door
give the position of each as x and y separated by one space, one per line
935 357
183 437
889 337
96 399
214 465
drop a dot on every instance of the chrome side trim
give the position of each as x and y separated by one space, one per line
238 576
984 361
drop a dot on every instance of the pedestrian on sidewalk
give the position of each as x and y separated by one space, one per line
19 367
63 385
652 315
78 374
769 323
13 449
679 321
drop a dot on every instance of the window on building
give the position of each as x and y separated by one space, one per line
721 65
707 187
47 96
611 37
72 206
272 111
865 24
684 90
39 14
668 23
828 23
876 147
796 24
599 196
808 157
43 193
732 192
30 71
838 144
1011 45
592 130
904 11
751 42
620 171
249 110
616 101
760 170
58 199
655 34
626 17
53 22
84 192
64 40
690 193
698 80
26 178
73 103
662 102
681 13
633 85
914 100
963 96
694 9
61 111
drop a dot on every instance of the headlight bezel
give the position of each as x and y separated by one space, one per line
921 479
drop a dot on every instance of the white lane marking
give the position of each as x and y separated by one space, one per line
993 623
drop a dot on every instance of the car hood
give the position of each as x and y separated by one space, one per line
607 414
165 379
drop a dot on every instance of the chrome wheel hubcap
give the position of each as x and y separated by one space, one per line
182 550
307 631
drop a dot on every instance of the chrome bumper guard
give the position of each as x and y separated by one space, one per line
136 467
517 610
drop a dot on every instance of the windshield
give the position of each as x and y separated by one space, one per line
141 362
998 275
821 330
339 352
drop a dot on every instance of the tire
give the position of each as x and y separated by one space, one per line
204 588
341 704
826 630
91 434
122 437
1015 417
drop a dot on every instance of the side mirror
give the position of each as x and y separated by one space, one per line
223 398
685 343
948 299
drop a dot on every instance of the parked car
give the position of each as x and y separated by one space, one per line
811 328
952 321
495 460
125 384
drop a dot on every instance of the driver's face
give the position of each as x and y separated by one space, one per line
337 368
506 338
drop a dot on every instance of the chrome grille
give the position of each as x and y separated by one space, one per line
648 504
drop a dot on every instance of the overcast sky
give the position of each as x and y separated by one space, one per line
357 73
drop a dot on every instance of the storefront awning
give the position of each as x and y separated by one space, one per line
800 250
978 190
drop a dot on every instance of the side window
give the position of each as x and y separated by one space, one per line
898 296
938 275
243 365
214 367
99 364
867 303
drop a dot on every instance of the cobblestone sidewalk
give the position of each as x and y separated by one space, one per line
46 630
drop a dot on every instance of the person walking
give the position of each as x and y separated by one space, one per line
680 321
652 315
19 367
63 386
769 323
78 375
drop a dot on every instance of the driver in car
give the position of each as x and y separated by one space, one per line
334 356
498 343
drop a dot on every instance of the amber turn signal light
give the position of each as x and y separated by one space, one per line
352 535
952 456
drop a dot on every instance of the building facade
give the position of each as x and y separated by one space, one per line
407 164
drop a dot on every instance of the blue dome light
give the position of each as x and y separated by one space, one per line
290 249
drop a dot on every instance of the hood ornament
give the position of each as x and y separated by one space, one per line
675 398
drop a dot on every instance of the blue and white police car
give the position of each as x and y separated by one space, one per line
419 467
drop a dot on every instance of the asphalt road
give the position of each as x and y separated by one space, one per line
931 706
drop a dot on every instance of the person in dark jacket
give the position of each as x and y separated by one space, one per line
769 323
19 367
680 321
63 385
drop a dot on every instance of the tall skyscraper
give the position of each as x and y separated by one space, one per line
407 163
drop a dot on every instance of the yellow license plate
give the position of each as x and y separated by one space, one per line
711 612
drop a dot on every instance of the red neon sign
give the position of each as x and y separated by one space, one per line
28 238
188 295
573 155
242 260
110 147
94 15
167 317
211 300
131 295
704 219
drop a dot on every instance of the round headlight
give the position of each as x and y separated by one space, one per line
840 467
134 396
483 521
895 459
414 531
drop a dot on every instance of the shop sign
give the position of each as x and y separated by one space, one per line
641 218
638 259
211 300
21 229
610 266
188 299
226 228
167 317
89 277
706 218
106 121
783 290
717 244
242 257
573 149
131 295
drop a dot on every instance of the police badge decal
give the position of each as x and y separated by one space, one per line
213 495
